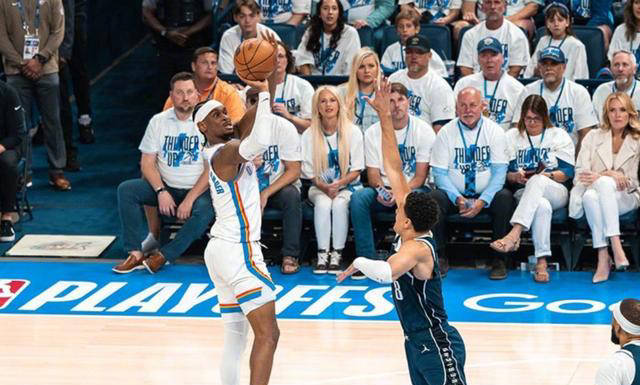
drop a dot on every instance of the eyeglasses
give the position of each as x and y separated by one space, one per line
528 119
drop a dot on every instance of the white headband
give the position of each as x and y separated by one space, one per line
624 323
205 110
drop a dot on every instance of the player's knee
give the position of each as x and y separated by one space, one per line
268 336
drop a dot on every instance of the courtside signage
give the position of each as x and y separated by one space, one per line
185 290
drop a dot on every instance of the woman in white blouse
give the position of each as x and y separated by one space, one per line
606 181
365 72
332 158
627 35
328 45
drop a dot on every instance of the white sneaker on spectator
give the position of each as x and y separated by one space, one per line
322 263
334 262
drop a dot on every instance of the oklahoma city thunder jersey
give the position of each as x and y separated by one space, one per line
236 203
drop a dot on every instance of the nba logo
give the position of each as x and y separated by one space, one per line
9 289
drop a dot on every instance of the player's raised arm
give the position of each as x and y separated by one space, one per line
390 155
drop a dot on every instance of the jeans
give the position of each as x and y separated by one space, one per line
288 201
500 210
134 193
9 178
363 204
46 93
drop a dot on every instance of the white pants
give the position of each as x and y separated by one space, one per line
330 218
540 197
603 204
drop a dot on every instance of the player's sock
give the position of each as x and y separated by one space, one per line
235 340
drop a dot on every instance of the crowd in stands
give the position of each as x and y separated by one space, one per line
497 125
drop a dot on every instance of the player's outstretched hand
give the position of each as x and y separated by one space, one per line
346 274
381 102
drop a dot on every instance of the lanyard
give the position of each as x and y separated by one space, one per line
494 90
614 88
464 142
402 56
540 145
406 134
555 105
36 22
362 103
558 46
213 89
284 84
323 59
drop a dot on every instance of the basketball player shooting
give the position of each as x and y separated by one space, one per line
435 350
233 256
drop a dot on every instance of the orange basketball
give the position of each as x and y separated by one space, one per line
254 59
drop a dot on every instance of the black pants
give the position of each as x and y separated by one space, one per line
500 210
66 116
9 180
288 200
79 58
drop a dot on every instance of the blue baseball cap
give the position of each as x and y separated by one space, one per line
490 44
552 53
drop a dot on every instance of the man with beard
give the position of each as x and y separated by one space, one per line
173 179
622 367
623 66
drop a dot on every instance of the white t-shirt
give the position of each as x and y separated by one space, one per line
502 101
280 11
515 45
364 115
177 145
437 8
414 145
573 50
573 110
430 97
619 369
620 42
606 89
330 61
296 93
356 156
550 147
449 152
284 145
393 59
230 40
357 9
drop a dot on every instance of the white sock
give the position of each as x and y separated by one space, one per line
235 341
84 120
150 243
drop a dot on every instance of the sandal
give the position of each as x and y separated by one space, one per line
541 276
505 245
289 265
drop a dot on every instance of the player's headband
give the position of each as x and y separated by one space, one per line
624 323
205 109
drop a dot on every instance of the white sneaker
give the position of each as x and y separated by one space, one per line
334 263
322 263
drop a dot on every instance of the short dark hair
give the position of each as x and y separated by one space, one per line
291 61
422 210
181 77
251 4
201 51
630 309
400 88
538 106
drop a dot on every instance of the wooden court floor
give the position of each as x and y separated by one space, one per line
137 350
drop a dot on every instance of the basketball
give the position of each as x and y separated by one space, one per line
254 59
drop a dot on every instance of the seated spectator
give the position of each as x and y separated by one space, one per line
568 101
205 70
415 138
174 179
332 158
407 25
278 171
469 162
435 12
247 14
606 181
12 132
364 76
293 93
541 159
368 13
623 66
560 35
500 90
515 46
328 45
290 12
592 13
627 35
430 96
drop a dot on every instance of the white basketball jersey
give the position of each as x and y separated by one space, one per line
236 203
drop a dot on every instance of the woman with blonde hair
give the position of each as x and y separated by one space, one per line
541 159
332 158
365 73
606 181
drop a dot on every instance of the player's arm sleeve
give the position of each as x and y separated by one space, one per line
379 271
383 9
260 136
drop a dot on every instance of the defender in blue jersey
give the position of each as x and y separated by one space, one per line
435 350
